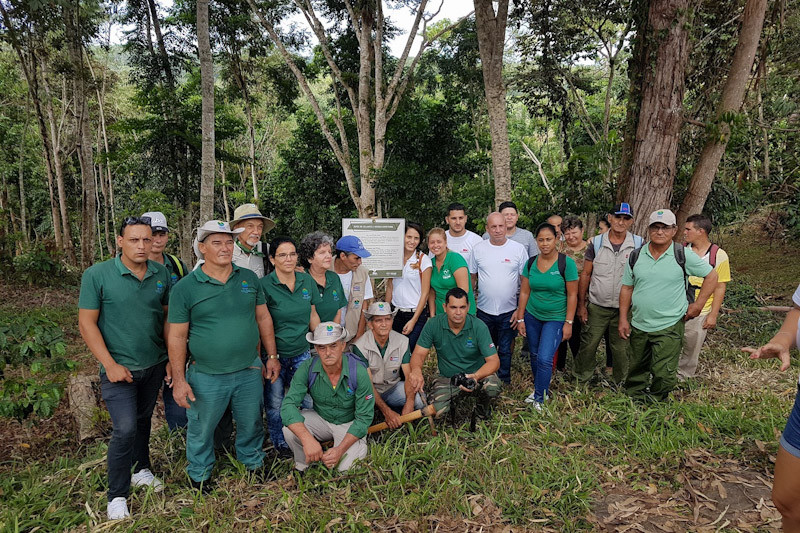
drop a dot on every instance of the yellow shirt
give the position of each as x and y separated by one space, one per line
723 269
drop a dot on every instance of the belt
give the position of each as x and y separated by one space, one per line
406 310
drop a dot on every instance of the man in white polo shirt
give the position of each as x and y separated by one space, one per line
495 266
459 238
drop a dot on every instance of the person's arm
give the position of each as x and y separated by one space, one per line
781 342
474 281
710 321
425 288
572 303
389 289
432 302
87 323
176 347
266 329
461 276
362 322
490 366
519 314
709 285
583 291
314 322
410 392
294 419
625 297
338 317
392 418
312 449
415 376
168 376
364 412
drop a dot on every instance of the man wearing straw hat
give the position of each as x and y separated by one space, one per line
249 251
386 353
221 311
344 403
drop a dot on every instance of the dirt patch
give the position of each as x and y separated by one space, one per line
25 297
713 493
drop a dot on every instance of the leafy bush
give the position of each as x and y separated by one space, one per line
37 266
21 398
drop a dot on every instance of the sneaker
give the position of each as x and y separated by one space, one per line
117 509
205 487
531 398
145 478
537 406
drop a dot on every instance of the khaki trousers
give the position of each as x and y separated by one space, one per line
692 344
322 430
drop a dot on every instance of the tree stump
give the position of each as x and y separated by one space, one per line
83 404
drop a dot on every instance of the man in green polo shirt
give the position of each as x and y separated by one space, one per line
220 310
343 403
121 310
656 287
463 345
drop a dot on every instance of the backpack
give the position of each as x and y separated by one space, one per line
562 264
680 258
597 242
352 368
177 265
712 260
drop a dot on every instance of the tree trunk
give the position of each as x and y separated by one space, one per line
491 30
248 112
730 102
660 55
83 137
207 93
23 216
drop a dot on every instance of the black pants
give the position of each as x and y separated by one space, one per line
131 407
402 318
574 343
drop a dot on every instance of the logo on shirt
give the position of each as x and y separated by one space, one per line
173 278
368 397
356 288
446 273
356 302
246 288
470 342
491 345
306 294
335 295
555 273
394 358
506 260
159 287
465 250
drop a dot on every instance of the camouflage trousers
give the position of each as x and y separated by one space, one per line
443 392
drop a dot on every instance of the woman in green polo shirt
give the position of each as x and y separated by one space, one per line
547 300
291 299
449 271
316 256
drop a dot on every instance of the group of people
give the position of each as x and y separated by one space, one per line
294 329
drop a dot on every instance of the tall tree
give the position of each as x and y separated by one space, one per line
655 106
207 168
374 91
730 102
491 30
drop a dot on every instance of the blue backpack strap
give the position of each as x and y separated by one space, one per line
597 243
638 241
312 374
353 362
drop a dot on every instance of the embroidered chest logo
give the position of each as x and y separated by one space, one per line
356 302
246 288
174 278
335 295
446 274
159 287
470 343
306 294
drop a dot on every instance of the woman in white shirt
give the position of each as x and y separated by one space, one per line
409 293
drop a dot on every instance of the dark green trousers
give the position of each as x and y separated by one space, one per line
601 319
654 360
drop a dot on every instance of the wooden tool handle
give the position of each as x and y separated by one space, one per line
428 410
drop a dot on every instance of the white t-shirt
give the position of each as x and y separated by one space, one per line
464 243
498 269
347 280
407 289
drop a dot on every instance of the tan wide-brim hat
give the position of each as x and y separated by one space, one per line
379 309
209 228
248 211
327 333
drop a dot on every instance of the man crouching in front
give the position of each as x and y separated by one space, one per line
341 388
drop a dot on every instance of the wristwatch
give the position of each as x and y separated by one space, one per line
569 322
272 357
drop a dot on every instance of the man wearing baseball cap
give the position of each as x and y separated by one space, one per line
355 281
249 251
386 353
654 286
344 403
221 311
598 295
174 413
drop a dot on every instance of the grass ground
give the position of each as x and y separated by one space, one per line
593 461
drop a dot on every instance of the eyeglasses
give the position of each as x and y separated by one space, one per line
660 229
134 221
284 257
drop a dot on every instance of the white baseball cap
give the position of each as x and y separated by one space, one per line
209 228
158 222
663 216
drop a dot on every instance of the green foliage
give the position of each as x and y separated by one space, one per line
38 266
21 398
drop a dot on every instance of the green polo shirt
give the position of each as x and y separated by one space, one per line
337 405
332 297
131 316
223 333
548 298
290 310
465 352
659 291
443 279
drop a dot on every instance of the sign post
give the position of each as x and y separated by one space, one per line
384 239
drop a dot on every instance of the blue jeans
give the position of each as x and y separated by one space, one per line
543 341
396 397
503 337
790 439
174 413
273 397
243 392
131 407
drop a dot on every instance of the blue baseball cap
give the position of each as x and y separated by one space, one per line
352 245
623 208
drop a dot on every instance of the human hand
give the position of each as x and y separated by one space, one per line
271 370
168 377
116 373
409 327
312 450
392 418
416 380
769 351
583 314
624 328
331 457
710 322
566 332
181 390
693 311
